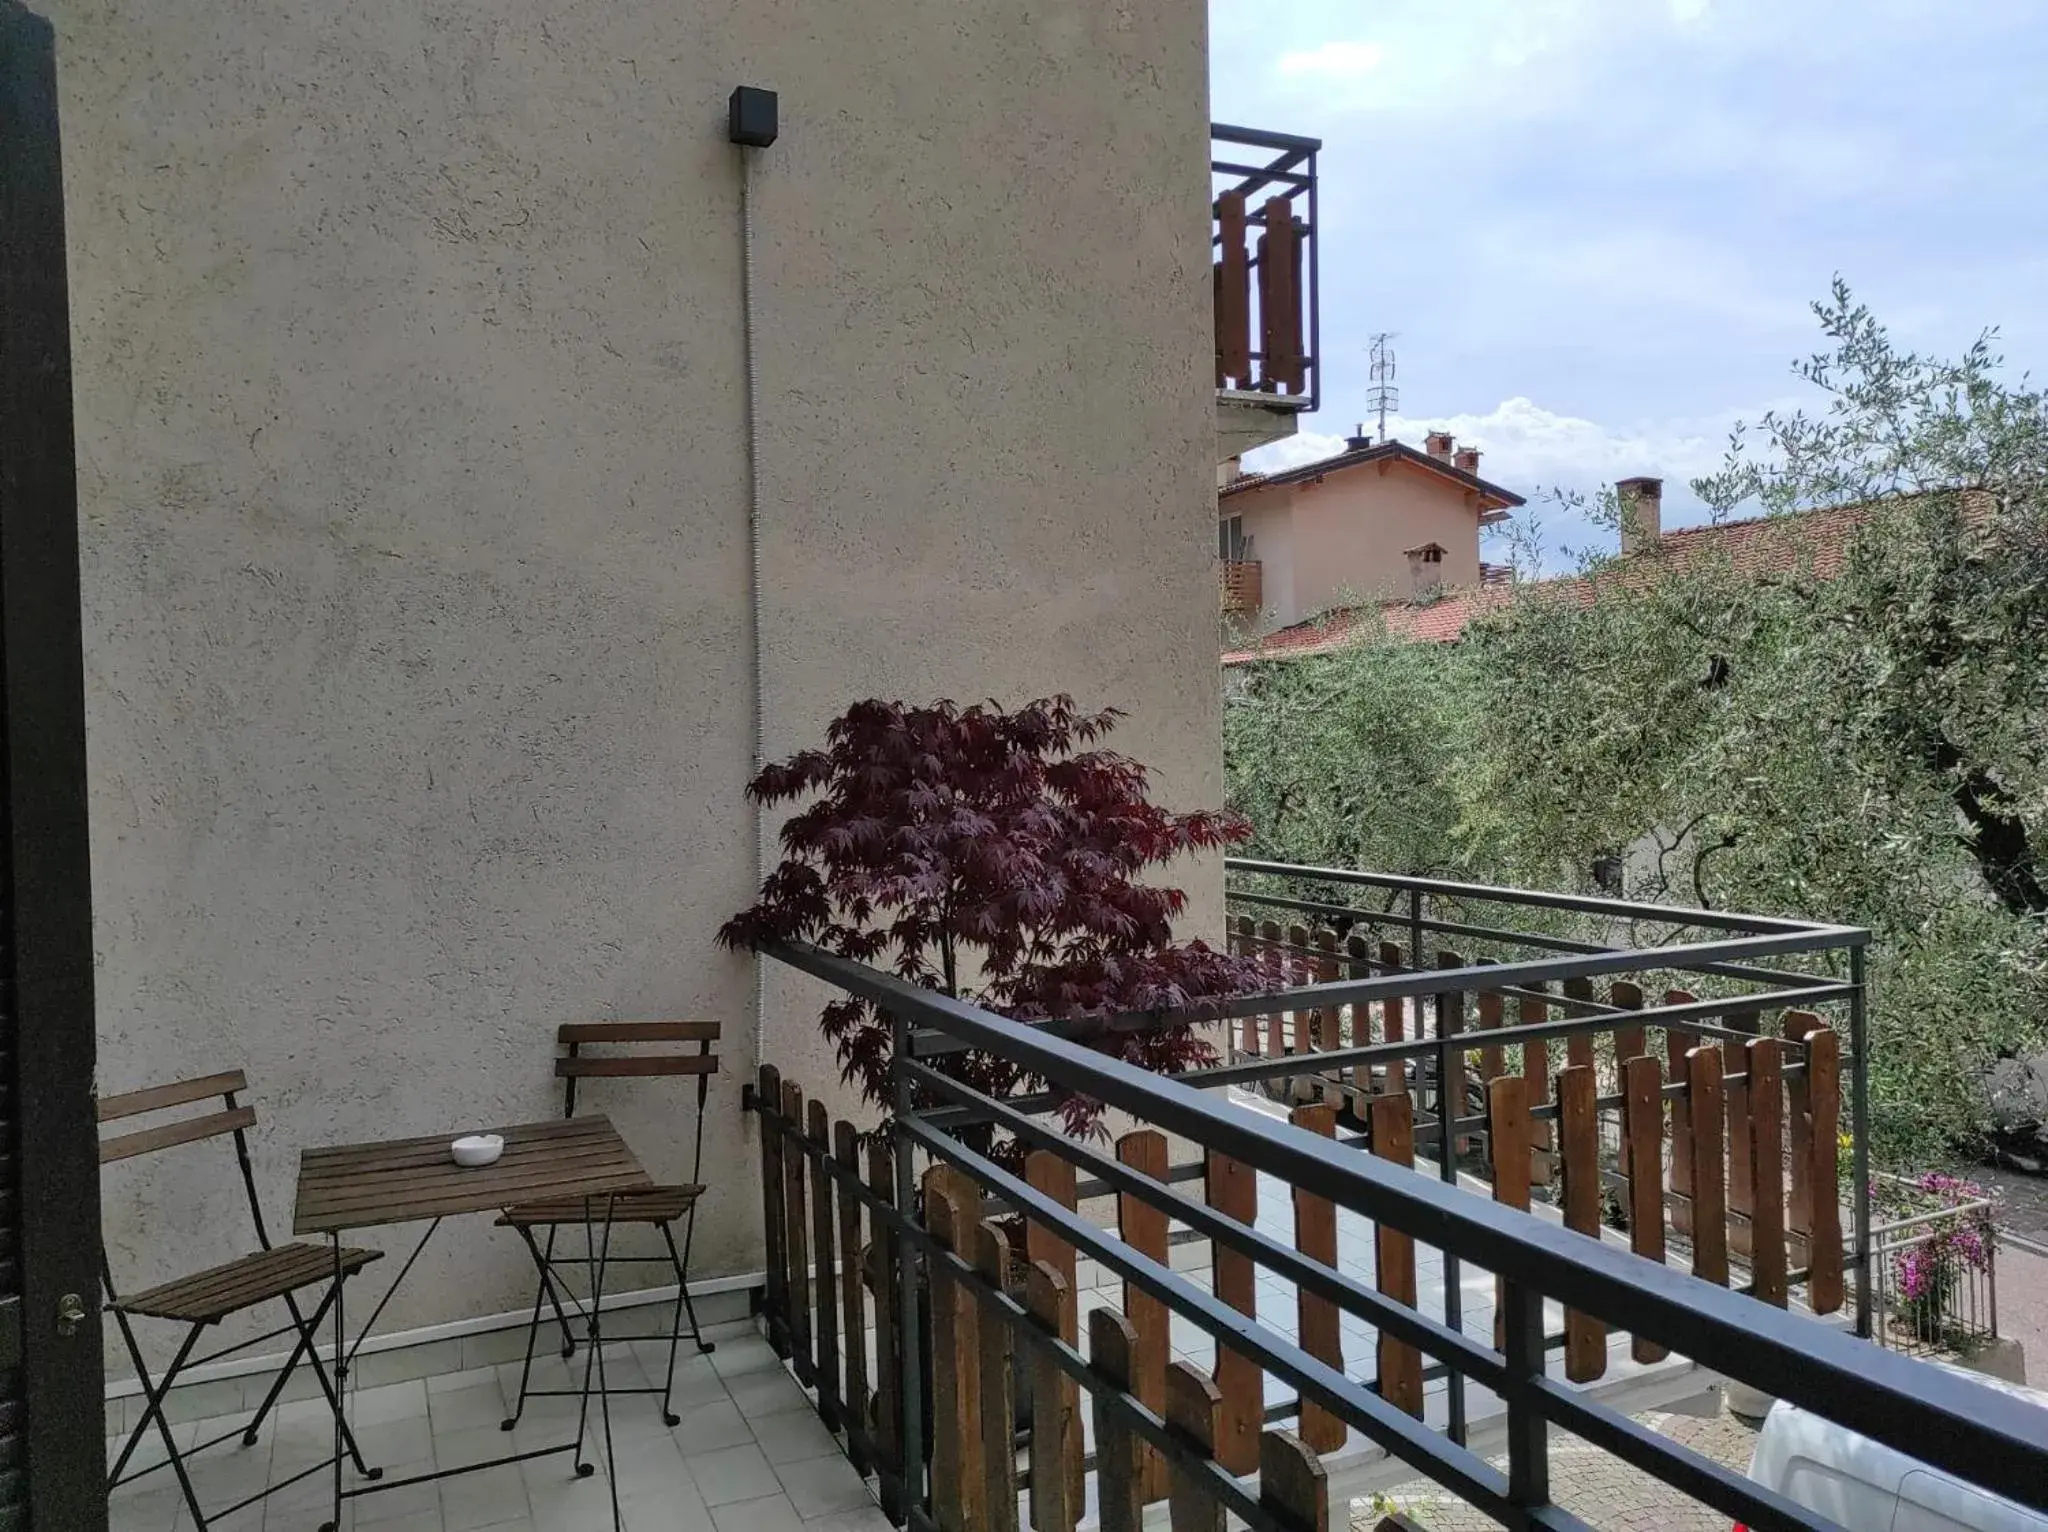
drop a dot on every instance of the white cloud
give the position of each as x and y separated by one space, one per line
1542 454
1527 447
1334 60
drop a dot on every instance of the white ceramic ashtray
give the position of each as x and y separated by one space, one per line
477 1149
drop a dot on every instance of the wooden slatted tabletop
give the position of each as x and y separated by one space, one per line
358 1186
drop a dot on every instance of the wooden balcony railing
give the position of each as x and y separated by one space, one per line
1265 242
1243 586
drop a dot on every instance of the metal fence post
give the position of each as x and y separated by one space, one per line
1528 1431
911 1341
1415 927
1859 1152
1450 1106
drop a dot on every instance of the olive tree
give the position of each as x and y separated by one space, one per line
1855 734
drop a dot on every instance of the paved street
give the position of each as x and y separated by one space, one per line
1595 1486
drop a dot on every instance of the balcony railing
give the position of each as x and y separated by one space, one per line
1934 1265
1243 586
1268 320
935 1290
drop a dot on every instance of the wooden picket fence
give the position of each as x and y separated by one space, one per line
834 1241
1723 1144
1738 1143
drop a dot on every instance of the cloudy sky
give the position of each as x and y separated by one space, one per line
1596 225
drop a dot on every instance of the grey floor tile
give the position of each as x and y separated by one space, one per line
154 1510
695 1381
769 1392
418 1521
226 1473
711 1426
472 1376
395 1441
399 1503
248 1519
662 1516
748 1354
390 1401
668 1483
466 1409
548 1371
791 1436
736 1473
867 1519
581 1505
463 1449
484 1499
819 1486
647 1464
770 1513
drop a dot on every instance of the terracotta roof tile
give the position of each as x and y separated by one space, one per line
1377 452
1815 542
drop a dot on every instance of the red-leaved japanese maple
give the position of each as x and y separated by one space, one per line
987 854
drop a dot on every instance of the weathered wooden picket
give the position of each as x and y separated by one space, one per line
834 1240
1723 1148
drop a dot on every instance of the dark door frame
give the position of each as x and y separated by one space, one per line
46 964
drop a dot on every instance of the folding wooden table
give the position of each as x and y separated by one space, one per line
361 1186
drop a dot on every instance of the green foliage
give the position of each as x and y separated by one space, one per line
1864 742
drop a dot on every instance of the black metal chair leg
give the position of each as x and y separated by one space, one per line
704 1346
675 1331
682 1264
548 1284
532 1332
593 1355
155 1413
309 1333
284 1373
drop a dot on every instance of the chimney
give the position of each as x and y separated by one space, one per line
1439 445
1642 513
1425 571
1358 442
1467 458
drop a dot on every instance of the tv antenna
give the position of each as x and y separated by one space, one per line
1383 396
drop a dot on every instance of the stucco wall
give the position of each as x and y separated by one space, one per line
1347 538
1269 528
411 433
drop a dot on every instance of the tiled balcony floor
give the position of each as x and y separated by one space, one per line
749 1456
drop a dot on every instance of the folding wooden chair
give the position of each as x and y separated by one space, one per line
206 1298
658 1207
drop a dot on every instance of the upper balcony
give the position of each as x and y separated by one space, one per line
1241 581
1268 323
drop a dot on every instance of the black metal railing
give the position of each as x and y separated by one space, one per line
939 1120
1590 936
1267 263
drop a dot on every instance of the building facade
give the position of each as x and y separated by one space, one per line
1378 521
415 456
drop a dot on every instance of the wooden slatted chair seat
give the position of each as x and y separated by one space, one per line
656 1204
206 1297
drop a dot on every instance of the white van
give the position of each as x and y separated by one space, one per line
1853 1481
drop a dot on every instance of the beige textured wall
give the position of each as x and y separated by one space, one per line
1269 524
1347 538
410 417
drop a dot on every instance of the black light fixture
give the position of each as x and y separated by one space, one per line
750 114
